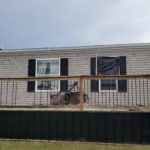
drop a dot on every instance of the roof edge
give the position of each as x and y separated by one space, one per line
77 47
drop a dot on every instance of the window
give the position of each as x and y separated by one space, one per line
48 67
108 66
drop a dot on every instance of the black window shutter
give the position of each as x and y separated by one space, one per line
94 83
31 86
64 72
122 84
31 73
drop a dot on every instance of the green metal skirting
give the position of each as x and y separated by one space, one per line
109 127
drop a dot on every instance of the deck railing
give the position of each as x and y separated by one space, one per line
75 92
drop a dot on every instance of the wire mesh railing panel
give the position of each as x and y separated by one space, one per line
78 92
136 94
43 94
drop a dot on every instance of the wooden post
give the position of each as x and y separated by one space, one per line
81 93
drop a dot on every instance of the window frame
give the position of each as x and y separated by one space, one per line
116 90
100 90
36 75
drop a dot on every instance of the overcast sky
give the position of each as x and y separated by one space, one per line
59 23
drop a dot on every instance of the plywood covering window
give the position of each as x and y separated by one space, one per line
48 67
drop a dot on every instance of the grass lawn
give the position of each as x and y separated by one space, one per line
24 145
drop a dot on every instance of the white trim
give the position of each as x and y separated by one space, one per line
116 90
36 90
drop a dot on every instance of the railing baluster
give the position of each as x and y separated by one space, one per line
105 98
147 93
1 93
117 97
113 97
41 94
81 94
120 99
98 99
50 94
84 81
12 93
34 97
143 93
94 98
124 94
47 96
109 92
140 90
135 92
102 98
88 89
16 93
91 93
132 91
128 92
6 92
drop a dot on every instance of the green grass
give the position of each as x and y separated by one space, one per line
24 145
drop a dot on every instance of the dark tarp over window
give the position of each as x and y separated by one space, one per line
108 66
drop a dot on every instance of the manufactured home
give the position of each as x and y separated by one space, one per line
92 93
126 68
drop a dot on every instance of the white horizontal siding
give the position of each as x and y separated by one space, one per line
16 65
